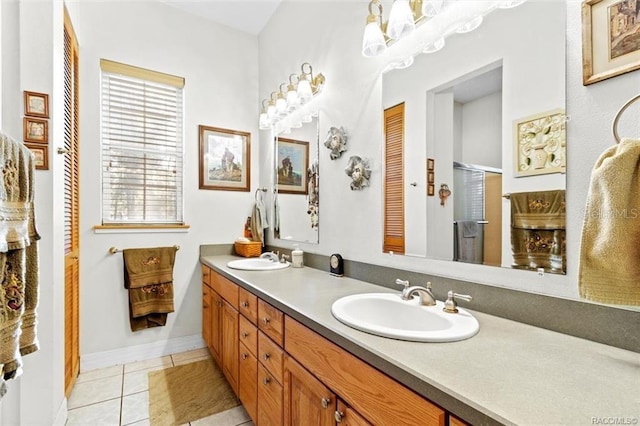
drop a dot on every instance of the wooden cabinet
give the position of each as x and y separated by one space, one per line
248 305
306 400
269 399
271 322
206 314
454 421
248 381
230 357
347 416
215 305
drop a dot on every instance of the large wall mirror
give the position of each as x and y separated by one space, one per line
296 183
485 117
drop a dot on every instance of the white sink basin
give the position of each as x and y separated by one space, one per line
256 264
387 315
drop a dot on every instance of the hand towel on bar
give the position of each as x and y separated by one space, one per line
610 250
538 235
469 228
148 275
256 224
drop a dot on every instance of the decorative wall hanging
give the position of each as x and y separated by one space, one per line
293 165
313 193
540 143
225 159
609 39
444 193
36 130
41 154
359 171
36 104
336 141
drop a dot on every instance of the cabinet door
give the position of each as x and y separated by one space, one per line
347 416
230 345
248 382
206 315
306 400
269 399
215 305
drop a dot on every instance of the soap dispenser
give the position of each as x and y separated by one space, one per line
297 255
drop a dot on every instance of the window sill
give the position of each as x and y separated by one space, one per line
140 229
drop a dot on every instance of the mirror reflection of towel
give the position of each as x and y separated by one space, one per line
469 228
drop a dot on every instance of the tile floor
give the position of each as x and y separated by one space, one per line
119 395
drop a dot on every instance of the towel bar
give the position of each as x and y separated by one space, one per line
114 250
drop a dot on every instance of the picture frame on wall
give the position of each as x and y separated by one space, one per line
36 130
610 45
41 154
430 164
292 165
224 159
540 143
36 104
431 190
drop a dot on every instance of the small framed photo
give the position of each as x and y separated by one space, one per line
41 154
430 163
541 142
431 190
36 130
36 104
610 44
292 163
225 159
430 177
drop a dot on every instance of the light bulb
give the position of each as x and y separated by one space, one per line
264 121
292 99
304 90
401 22
281 106
373 43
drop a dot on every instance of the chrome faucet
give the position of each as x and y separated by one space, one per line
425 295
270 255
284 258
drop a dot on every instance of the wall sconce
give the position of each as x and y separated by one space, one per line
289 107
421 26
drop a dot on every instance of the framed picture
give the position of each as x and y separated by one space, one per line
430 163
610 43
540 141
225 159
36 130
430 177
292 164
431 190
36 104
41 153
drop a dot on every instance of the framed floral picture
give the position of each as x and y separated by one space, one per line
610 40
36 104
41 154
36 130
292 164
540 143
225 159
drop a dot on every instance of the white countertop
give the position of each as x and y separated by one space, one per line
509 373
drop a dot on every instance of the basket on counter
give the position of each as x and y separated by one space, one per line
248 248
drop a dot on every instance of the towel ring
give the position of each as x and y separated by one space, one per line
619 113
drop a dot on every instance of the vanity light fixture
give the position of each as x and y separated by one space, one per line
288 107
421 26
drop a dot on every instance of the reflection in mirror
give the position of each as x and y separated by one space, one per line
460 107
297 183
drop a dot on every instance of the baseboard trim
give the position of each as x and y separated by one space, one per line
140 352
61 417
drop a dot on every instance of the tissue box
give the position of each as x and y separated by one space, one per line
248 249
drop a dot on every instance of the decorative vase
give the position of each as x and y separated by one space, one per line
538 158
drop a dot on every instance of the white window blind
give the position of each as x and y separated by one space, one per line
142 178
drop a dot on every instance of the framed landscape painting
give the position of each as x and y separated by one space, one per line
292 163
225 159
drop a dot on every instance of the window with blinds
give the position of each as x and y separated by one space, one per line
394 239
141 129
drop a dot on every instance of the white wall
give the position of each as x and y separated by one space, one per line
482 131
220 67
330 38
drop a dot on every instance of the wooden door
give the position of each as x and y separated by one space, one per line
206 314
230 345
215 305
248 382
71 207
394 236
269 399
306 400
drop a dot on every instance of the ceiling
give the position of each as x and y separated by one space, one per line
249 16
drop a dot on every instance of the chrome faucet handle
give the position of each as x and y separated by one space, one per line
450 304
405 283
284 258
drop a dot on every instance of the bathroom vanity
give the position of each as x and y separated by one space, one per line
291 362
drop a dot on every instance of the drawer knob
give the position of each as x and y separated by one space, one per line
266 356
244 334
266 381
325 402
244 356
266 320
338 415
245 304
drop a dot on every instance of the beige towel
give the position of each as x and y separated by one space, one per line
148 275
610 250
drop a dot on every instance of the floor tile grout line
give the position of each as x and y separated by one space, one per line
121 397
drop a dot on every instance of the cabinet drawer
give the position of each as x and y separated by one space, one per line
271 356
225 288
248 335
248 382
271 321
269 399
248 305
357 382
205 274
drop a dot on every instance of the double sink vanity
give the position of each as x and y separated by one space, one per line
471 368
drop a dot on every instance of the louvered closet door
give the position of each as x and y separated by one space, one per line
71 208
394 179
